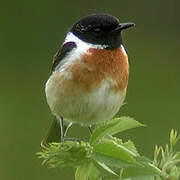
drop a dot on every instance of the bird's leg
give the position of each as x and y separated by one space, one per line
64 129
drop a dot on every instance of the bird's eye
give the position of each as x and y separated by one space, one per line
97 30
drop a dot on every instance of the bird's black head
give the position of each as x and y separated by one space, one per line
102 29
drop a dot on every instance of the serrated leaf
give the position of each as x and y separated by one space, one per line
113 127
105 170
110 161
94 171
113 154
129 145
147 171
66 154
82 172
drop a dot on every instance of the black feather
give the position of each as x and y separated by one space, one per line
62 53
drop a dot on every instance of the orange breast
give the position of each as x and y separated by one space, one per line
97 65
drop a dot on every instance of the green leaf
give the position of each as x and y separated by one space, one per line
66 154
145 172
113 127
94 171
139 173
105 170
113 154
174 137
177 156
129 145
82 172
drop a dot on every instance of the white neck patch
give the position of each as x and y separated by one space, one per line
75 54
70 37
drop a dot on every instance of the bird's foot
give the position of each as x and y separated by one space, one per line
70 139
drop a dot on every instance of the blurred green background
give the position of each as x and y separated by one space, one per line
30 33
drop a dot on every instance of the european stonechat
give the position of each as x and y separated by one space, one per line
89 74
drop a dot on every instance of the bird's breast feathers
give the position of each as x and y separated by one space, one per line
89 88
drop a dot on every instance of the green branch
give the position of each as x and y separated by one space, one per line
106 157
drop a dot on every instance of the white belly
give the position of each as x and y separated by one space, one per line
93 107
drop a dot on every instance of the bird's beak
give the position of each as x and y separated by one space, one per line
123 26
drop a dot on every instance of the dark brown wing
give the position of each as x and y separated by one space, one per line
62 53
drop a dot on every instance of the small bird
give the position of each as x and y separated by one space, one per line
89 74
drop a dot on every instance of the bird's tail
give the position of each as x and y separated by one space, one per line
53 134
